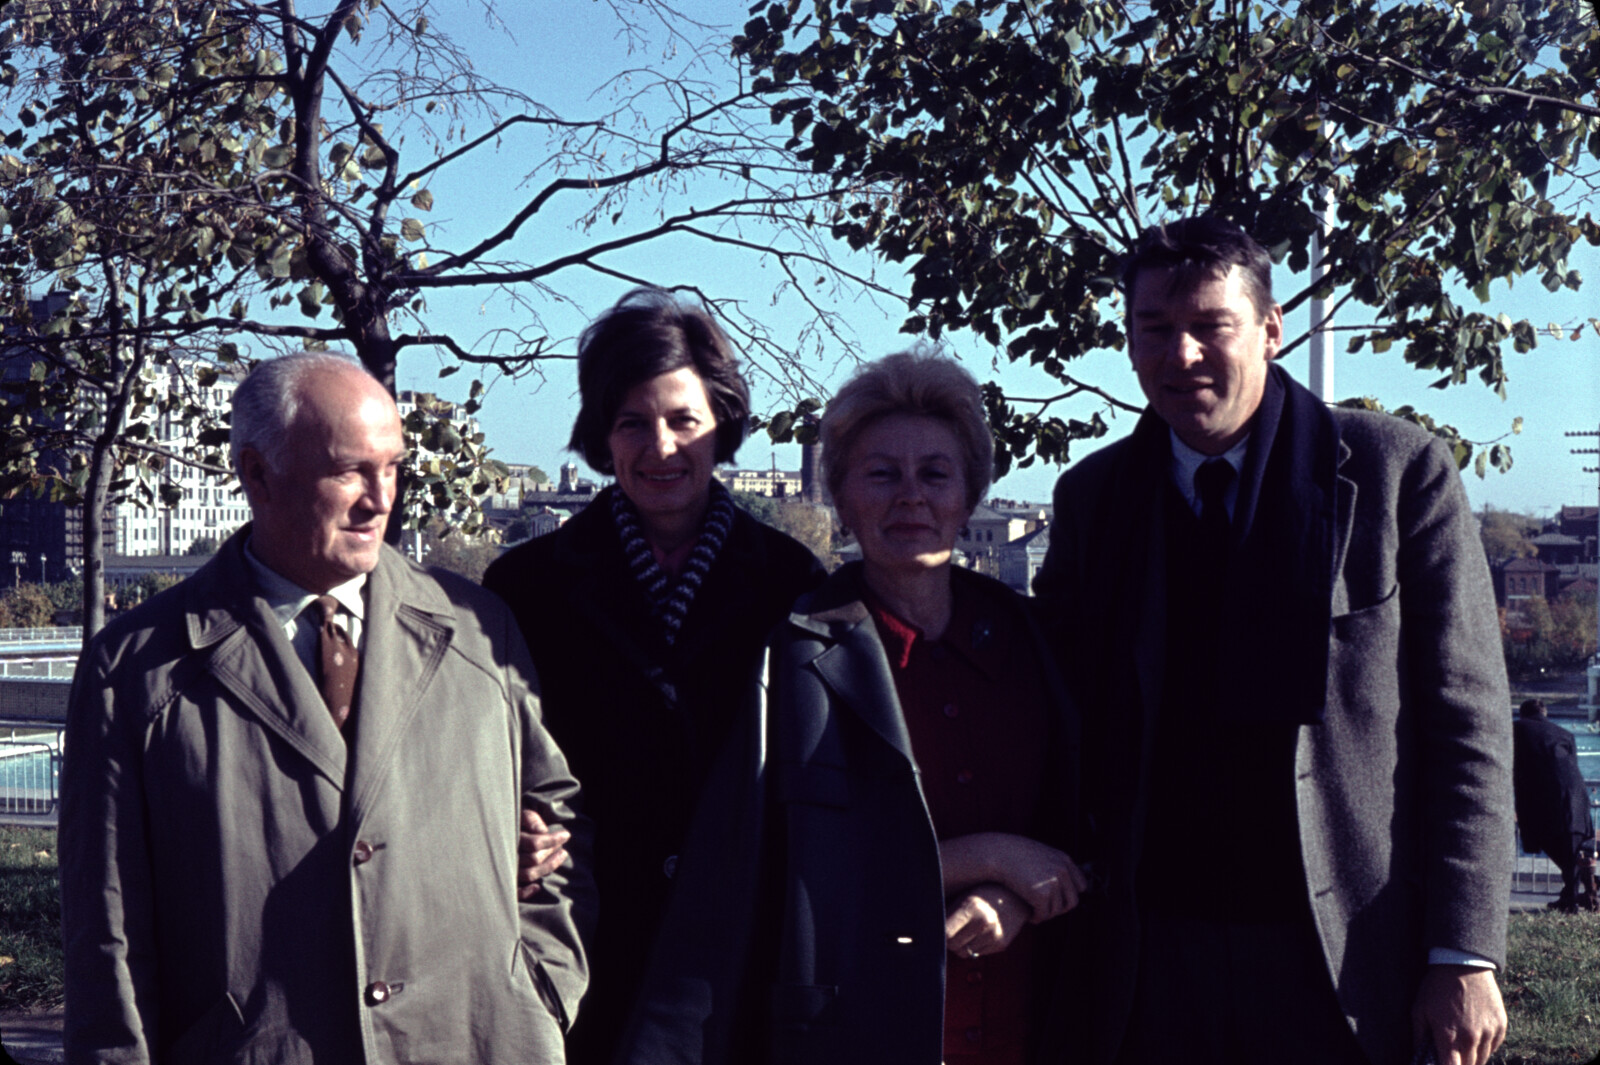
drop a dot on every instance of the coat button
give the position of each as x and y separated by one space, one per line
377 993
951 710
362 852
670 867
964 777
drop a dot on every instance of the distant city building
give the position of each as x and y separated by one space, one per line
1564 563
210 507
988 530
773 483
1021 558
546 520
1523 578
1580 524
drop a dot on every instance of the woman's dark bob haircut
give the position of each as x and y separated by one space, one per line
648 333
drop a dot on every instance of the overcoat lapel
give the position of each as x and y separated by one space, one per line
856 669
408 628
1135 538
252 659
853 663
1344 522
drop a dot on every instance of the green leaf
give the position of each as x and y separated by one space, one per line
411 229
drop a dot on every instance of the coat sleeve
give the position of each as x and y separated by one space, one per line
704 996
1455 681
558 919
107 921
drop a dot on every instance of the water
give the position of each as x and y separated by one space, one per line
1588 749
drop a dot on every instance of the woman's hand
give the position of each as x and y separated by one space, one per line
1046 879
984 921
540 852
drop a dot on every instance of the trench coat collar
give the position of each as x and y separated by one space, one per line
406 633
852 661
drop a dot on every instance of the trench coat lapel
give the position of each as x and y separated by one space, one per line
854 664
408 627
251 658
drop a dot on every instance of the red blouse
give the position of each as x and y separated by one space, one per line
976 709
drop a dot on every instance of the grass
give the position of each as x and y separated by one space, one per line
1552 990
1551 983
30 919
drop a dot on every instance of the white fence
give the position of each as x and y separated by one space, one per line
30 770
60 634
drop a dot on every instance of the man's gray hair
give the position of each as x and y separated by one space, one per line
267 400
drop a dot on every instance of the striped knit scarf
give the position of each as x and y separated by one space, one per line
671 602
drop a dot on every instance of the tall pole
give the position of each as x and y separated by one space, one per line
1321 350
1593 706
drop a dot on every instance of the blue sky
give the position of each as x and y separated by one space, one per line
563 53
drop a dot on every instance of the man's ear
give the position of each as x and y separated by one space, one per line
253 475
1274 327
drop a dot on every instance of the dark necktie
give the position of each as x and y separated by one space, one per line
1211 483
340 663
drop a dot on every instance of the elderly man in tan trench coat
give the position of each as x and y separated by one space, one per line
252 873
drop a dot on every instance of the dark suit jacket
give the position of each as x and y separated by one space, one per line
1402 793
641 724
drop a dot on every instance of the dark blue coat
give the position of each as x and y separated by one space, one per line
808 928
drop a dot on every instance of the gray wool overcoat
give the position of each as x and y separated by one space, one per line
239 885
1402 792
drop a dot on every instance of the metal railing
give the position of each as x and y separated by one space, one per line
30 769
1535 874
56 634
37 669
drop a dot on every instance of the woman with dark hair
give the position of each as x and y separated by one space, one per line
646 614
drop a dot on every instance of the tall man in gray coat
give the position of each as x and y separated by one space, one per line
292 783
1296 723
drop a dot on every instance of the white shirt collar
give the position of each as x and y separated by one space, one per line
287 600
1186 461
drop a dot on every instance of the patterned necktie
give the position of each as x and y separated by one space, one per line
340 663
1211 483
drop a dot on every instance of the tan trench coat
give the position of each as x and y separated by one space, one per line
239 885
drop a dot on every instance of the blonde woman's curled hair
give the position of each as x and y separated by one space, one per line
919 382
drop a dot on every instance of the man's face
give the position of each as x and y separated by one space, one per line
319 520
1201 353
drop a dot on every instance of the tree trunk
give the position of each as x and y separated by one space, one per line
94 544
